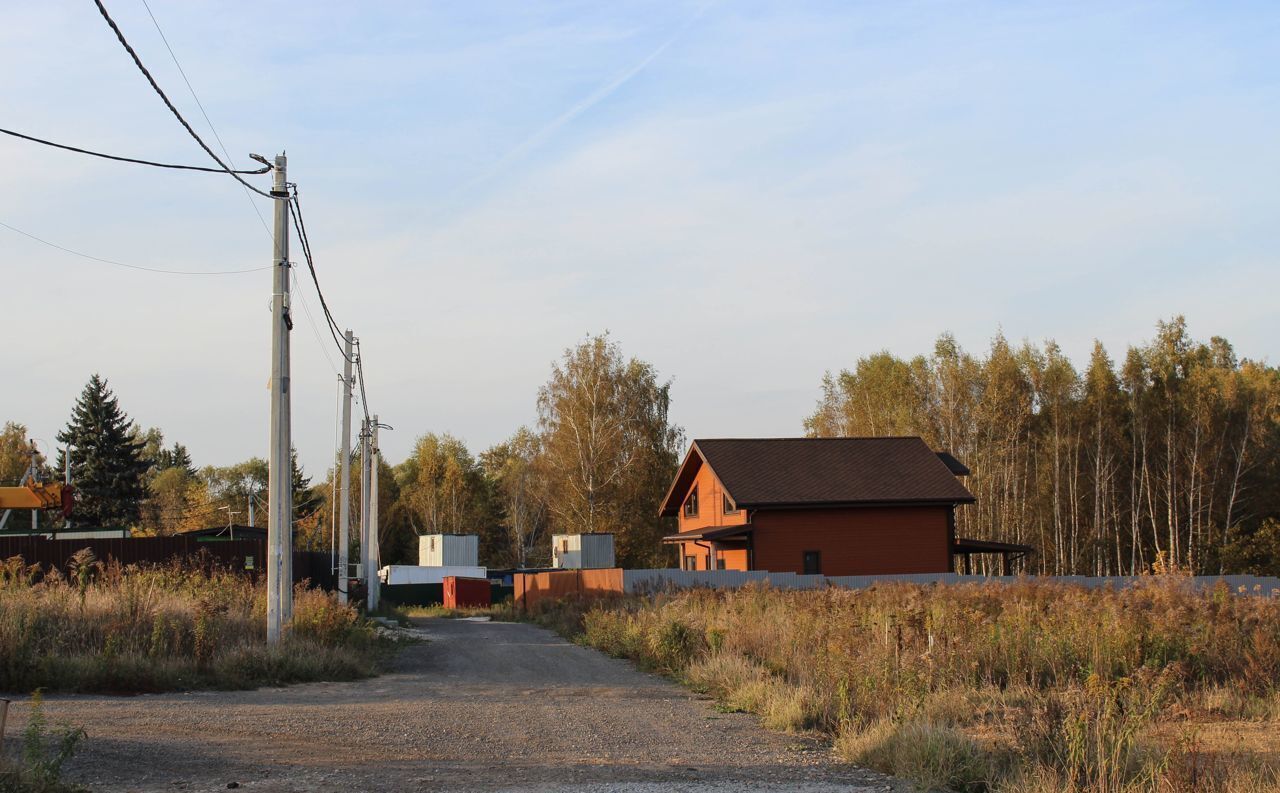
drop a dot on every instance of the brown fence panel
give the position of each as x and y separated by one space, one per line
601 582
534 588
246 555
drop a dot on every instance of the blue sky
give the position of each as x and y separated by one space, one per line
745 194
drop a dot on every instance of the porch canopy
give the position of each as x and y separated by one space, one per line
717 534
1009 552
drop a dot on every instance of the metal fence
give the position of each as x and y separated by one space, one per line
244 555
641 581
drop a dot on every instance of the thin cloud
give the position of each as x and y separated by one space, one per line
544 134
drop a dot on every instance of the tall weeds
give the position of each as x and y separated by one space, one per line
109 628
1031 686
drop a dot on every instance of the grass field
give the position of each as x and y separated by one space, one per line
1026 688
103 628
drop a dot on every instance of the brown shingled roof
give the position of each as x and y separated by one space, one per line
762 472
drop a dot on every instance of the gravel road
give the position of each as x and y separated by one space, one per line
481 706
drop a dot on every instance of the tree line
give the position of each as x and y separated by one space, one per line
598 459
1169 458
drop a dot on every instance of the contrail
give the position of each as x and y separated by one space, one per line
541 136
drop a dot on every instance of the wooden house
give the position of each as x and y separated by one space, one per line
830 506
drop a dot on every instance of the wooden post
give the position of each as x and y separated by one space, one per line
4 717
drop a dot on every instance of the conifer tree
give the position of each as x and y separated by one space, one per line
176 457
106 463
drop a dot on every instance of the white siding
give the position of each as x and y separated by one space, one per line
582 551
445 550
418 574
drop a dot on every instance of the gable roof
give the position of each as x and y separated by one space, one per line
764 472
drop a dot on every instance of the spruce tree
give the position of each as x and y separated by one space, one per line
306 501
107 467
177 457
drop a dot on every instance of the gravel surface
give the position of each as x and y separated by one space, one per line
478 706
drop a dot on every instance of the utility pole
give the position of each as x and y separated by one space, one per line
344 503
369 575
374 457
279 478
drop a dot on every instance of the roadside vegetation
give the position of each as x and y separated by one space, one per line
1025 688
107 628
42 752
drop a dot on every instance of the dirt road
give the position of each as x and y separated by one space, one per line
480 706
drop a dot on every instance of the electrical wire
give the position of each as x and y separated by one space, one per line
204 113
315 331
156 86
91 153
364 400
301 226
337 468
29 235
334 329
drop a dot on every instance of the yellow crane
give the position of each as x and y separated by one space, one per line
34 494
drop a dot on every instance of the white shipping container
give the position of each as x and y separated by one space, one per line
394 574
445 550
582 551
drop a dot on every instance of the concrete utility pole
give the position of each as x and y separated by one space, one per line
374 554
344 466
279 477
370 576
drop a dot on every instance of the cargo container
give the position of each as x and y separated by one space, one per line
448 550
466 592
582 551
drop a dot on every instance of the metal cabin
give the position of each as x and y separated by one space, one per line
582 551
449 550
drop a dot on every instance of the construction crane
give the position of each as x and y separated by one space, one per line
35 494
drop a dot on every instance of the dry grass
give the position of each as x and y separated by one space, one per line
107 628
1026 687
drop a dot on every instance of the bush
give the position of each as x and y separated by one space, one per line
1020 687
44 752
114 629
930 756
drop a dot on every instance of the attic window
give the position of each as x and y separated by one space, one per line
729 507
691 504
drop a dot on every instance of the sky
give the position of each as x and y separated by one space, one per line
744 194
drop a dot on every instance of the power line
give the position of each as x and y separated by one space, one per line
204 113
315 331
138 62
298 224
118 158
364 400
29 235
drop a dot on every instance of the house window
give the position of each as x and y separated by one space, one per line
432 543
564 546
729 508
691 562
720 563
691 504
812 563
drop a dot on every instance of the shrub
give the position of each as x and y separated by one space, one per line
1049 686
114 629
43 754
930 756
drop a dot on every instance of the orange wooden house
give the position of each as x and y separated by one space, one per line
833 506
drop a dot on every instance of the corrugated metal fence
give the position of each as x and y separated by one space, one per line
641 581
531 588
246 555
